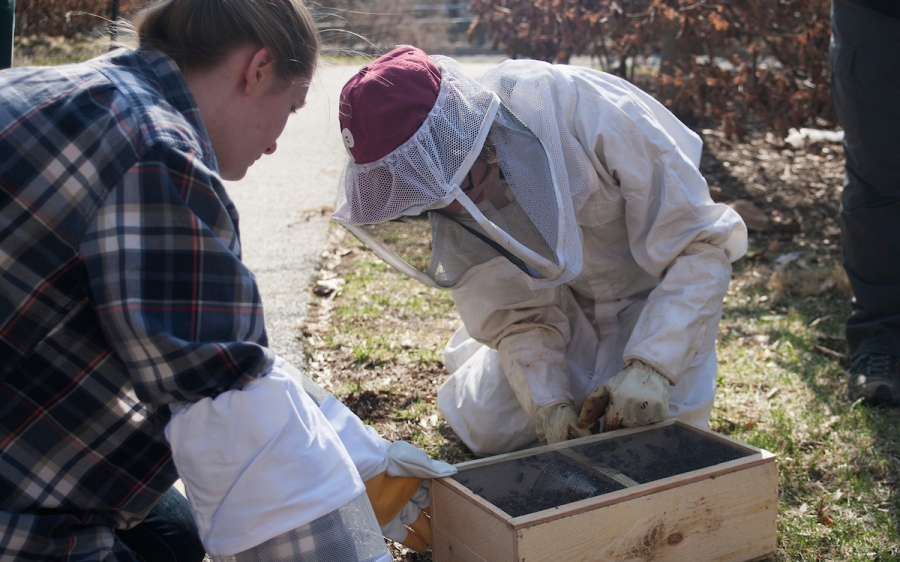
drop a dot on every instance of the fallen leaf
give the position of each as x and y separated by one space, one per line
754 217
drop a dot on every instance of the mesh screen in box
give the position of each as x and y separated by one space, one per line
551 479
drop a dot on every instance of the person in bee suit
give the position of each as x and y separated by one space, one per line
565 211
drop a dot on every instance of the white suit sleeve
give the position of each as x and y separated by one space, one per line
675 231
366 448
528 327
259 462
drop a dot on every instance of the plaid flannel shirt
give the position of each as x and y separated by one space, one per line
121 291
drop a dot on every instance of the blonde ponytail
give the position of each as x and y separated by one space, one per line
197 34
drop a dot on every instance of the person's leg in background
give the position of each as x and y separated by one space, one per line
7 32
865 59
167 534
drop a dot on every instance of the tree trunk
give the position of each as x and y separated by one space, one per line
673 54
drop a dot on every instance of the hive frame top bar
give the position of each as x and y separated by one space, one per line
755 456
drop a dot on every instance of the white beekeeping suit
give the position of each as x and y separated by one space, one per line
605 276
656 265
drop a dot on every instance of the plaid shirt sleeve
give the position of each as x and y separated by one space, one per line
177 304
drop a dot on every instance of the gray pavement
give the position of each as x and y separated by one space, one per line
285 202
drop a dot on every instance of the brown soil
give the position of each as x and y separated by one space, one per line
799 189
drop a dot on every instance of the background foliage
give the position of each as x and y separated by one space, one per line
740 62
737 61
373 27
65 17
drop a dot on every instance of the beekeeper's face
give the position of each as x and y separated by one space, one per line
480 183
497 199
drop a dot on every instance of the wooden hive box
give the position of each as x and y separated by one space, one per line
665 492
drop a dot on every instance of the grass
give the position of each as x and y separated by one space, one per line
781 388
838 461
414 412
375 294
47 51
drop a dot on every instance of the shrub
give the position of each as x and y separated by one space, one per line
65 17
737 61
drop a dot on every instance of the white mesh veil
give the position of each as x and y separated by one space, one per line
534 98
348 534
418 174
409 208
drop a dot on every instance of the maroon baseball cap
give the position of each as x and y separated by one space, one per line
386 102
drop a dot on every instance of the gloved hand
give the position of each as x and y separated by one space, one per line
400 493
558 422
637 396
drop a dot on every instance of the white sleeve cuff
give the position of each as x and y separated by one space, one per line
259 462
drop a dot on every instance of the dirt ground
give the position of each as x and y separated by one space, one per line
795 197
797 188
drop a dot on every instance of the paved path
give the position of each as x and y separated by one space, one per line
283 230
284 204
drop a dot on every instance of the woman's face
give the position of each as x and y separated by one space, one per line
245 105
256 129
480 183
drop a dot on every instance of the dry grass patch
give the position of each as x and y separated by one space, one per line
782 388
375 339
41 50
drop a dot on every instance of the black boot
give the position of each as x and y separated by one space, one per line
875 377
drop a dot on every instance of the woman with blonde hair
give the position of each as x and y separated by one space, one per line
133 348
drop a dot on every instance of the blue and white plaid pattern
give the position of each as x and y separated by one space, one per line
349 534
121 291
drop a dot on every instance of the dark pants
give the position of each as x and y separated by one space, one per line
167 534
865 90
7 27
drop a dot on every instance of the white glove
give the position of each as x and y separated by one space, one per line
558 422
400 493
637 396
